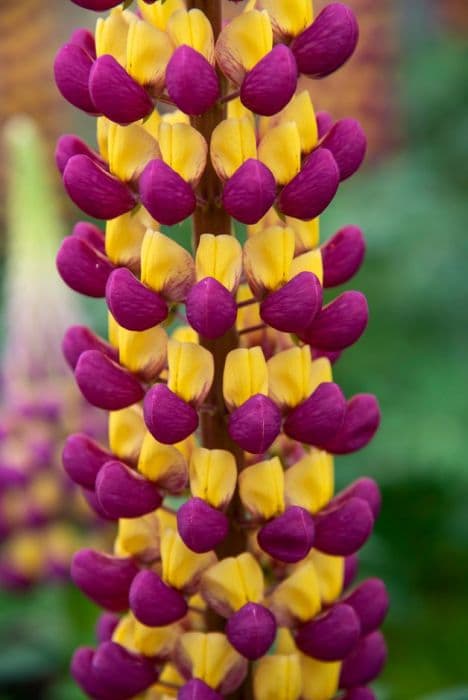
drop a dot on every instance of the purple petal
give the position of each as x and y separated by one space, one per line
365 662
361 422
370 602
133 305
103 578
83 458
106 384
91 234
256 424
82 267
191 81
70 145
116 94
169 418
85 39
72 67
342 256
324 123
197 690
93 502
289 537
78 339
153 602
328 42
166 195
250 192
330 636
359 694
251 630
340 323
351 569
105 626
94 190
272 82
201 526
97 5
348 144
123 493
312 190
293 307
125 673
84 675
211 308
343 529
365 488
318 418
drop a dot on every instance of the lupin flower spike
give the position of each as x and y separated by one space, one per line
43 516
218 368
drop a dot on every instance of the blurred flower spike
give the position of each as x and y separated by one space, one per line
43 515
233 568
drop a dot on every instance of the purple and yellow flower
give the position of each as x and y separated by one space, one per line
233 566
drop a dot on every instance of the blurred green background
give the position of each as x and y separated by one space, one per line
412 205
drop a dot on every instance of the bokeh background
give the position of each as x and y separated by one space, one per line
408 84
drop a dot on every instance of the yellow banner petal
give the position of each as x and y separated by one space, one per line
307 233
319 678
330 572
182 568
298 596
278 677
143 352
166 267
289 17
213 475
219 257
280 151
232 143
210 656
243 43
191 370
184 149
309 483
232 583
267 259
148 52
290 376
126 431
261 488
245 374
300 110
308 262
162 464
124 236
159 13
192 29
111 34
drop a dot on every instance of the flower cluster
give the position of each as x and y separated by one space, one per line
232 568
43 517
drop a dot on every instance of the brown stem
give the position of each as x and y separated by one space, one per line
210 217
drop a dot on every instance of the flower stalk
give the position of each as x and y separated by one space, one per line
244 589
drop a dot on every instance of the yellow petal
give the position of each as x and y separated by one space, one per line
271 218
113 330
330 571
213 476
162 464
210 656
245 374
191 370
298 596
124 236
182 568
278 677
166 267
25 554
138 535
159 13
167 520
285 641
232 143
111 34
185 334
236 110
148 52
289 17
219 257
102 132
301 111
319 678
243 43
184 149
170 675
155 641
261 488
143 352
290 376
232 583
267 259
175 117
126 432
193 29
309 483
130 148
308 262
280 151
124 632
248 316
321 372
307 233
